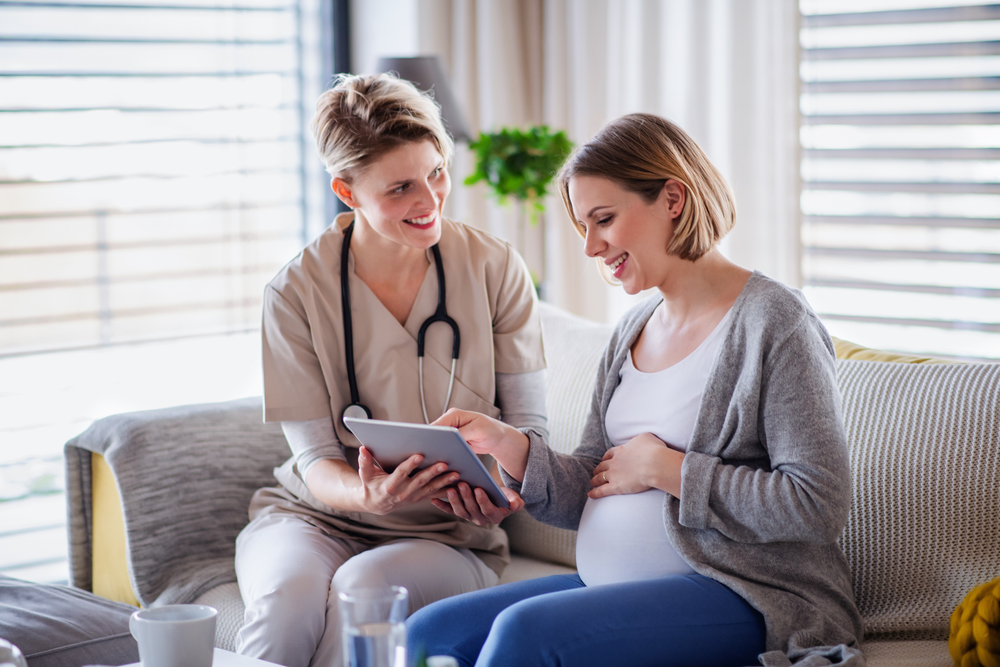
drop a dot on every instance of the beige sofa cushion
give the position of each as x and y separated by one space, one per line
925 525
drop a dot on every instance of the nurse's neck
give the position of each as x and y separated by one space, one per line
392 270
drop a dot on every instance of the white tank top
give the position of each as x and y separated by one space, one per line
622 538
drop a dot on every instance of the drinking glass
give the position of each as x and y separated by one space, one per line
374 630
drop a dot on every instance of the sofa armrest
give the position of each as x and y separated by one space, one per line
185 476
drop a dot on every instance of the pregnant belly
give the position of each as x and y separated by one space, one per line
622 538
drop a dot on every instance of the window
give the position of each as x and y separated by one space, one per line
901 182
154 175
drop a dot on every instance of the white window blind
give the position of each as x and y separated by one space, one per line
154 166
154 175
901 179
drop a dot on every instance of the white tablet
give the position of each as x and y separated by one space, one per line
391 443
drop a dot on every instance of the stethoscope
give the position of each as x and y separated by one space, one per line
356 409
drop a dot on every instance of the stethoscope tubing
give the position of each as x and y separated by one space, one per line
440 315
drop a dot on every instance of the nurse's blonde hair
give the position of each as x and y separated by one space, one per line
361 118
641 152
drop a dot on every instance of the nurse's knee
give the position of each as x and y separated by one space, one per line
296 595
361 571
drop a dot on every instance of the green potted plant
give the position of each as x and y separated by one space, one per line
520 165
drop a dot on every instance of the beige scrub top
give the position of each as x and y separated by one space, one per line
489 294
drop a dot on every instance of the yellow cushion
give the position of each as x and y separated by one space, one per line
110 566
848 350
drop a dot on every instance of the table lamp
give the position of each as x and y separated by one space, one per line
427 74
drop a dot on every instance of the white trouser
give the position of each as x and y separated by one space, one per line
290 573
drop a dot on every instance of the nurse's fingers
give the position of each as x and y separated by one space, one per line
397 482
368 467
472 505
404 470
494 513
427 478
458 507
442 505
423 488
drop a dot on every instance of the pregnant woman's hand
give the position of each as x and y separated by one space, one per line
486 435
383 492
644 462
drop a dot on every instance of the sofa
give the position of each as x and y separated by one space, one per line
157 498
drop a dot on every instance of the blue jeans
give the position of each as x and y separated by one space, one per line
676 620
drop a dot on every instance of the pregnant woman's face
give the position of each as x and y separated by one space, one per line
402 194
624 231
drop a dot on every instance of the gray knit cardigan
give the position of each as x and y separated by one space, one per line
765 484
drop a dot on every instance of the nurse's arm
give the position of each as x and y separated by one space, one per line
370 489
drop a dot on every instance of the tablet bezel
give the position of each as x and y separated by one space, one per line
391 443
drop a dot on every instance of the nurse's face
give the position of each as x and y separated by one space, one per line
402 194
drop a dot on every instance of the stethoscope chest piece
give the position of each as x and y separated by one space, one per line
355 411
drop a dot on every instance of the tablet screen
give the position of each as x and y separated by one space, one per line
391 443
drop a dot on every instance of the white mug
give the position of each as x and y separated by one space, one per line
10 655
175 635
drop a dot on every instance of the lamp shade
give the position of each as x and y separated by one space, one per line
427 74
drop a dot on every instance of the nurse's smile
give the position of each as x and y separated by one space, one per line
425 222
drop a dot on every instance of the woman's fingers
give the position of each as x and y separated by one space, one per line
481 432
600 484
455 418
600 474
600 491
514 498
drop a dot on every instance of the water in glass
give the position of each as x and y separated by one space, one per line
376 645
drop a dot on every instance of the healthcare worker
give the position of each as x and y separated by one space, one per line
341 325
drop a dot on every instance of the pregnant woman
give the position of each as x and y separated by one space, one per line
396 313
711 482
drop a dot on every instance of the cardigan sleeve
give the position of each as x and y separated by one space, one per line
555 485
799 488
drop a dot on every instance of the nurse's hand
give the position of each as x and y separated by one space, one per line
644 462
384 492
486 435
475 506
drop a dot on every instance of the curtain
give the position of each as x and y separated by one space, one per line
724 70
